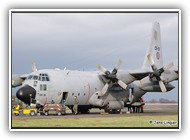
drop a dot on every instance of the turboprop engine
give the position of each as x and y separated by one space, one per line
115 105
109 101
16 80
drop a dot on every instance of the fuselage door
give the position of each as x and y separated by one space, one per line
64 97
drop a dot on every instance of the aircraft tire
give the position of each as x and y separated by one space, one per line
16 114
46 113
106 110
116 111
112 111
32 113
84 111
59 113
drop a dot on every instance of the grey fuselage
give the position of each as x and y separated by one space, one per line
72 83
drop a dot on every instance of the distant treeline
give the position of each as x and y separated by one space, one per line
161 100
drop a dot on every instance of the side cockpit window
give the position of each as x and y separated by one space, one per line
35 77
32 77
43 77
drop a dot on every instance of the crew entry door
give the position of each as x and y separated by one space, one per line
64 97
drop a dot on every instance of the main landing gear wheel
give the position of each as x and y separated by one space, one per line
59 113
46 113
113 111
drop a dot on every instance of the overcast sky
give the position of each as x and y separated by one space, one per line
82 40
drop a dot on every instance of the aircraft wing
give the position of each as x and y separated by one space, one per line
140 75
176 71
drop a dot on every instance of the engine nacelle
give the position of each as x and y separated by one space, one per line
16 80
156 87
115 105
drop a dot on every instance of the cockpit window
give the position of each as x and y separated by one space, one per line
35 77
29 77
47 78
32 77
43 77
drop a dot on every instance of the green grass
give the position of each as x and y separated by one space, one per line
137 121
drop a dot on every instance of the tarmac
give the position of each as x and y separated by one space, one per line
150 109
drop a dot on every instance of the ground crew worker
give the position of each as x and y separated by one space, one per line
52 101
75 107
142 105
129 109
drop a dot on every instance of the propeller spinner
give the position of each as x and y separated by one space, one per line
111 77
156 73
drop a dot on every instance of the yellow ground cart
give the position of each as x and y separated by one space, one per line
26 111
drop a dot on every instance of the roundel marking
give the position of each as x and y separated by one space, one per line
158 55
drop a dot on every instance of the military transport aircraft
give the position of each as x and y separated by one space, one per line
104 89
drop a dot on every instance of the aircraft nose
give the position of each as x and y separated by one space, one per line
26 93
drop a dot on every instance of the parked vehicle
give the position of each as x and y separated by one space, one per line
16 110
29 111
54 109
26 111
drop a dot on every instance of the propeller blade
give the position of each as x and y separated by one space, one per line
168 66
118 64
102 69
105 88
145 80
122 84
152 63
150 59
104 79
162 86
13 82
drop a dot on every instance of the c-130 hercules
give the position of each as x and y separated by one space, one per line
109 90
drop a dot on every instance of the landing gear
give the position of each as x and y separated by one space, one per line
137 107
79 109
84 111
112 111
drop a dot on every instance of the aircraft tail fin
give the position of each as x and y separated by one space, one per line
155 49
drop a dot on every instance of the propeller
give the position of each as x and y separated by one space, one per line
111 77
156 73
